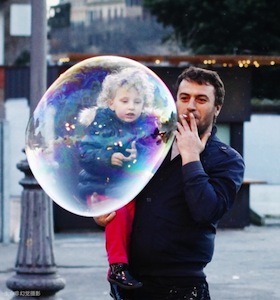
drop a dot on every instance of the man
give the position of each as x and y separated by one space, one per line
178 211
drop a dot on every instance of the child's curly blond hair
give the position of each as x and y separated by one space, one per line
128 77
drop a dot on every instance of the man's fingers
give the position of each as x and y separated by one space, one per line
104 219
184 122
187 123
110 217
192 122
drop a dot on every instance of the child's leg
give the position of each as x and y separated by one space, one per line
117 234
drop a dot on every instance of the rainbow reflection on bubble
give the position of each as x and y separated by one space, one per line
72 159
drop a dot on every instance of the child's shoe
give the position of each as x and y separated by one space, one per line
119 275
117 293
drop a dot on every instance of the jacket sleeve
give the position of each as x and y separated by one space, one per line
94 154
210 189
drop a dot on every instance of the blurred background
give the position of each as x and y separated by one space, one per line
239 40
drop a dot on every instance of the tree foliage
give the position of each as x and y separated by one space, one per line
221 26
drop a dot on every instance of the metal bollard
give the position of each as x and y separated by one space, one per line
35 265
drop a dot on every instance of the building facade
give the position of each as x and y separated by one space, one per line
107 27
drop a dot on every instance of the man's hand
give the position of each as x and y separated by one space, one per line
189 143
118 158
104 219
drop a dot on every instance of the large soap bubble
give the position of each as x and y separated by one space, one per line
99 134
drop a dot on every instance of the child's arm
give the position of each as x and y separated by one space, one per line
93 154
118 158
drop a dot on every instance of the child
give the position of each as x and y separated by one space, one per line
120 131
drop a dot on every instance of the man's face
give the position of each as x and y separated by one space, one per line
199 100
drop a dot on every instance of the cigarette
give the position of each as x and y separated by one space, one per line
186 117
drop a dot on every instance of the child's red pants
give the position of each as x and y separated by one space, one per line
117 234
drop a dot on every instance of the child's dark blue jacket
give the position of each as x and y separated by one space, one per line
107 134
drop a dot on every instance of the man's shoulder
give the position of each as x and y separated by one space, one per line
216 148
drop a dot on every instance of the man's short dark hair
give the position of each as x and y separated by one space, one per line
203 76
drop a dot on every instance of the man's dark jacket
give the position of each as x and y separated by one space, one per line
178 211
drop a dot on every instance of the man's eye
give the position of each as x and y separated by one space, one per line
184 99
201 100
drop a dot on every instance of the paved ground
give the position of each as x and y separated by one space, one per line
246 265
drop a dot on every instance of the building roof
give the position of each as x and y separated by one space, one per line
243 61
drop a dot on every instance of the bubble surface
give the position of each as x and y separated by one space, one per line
99 134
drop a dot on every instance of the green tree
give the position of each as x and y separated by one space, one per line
221 26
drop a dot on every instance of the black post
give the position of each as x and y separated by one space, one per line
35 266
237 136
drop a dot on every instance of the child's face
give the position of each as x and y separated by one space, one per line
127 104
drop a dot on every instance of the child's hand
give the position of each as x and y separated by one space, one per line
132 151
118 158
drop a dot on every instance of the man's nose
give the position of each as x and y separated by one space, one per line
191 106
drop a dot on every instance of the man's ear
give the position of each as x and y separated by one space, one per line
217 110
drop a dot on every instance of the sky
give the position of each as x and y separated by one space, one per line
52 2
